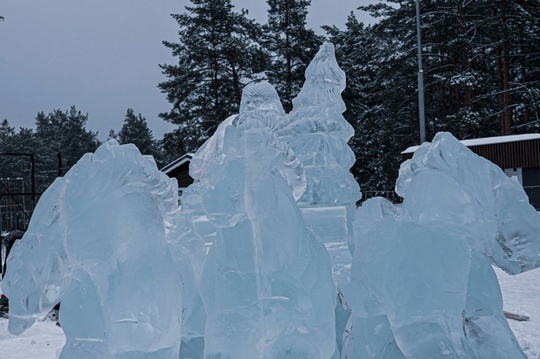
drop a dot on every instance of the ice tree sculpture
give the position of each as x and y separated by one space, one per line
266 284
423 283
318 133
97 243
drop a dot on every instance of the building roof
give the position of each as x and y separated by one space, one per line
177 163
488 141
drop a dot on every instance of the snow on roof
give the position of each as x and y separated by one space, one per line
488 141
177 162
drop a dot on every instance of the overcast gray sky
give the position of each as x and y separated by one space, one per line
102 55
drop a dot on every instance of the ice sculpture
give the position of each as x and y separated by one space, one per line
266 283
97 243
318 133
492 207
423 283
208 151
189 253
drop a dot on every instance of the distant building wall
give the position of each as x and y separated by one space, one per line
181 173
179 169
531 185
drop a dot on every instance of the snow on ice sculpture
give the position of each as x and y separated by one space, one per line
97 244
424 280
266 284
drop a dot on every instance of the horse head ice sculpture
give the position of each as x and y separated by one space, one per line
422 274
97 244
478 197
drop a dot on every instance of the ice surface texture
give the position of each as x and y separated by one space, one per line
266 284
260 108
97 244
189 253
474 194
422 283
318 175
208 151
318 133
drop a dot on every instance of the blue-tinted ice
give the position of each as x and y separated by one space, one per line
97 244
318 134
422 283
266 285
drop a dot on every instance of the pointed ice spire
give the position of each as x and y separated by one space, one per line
325 81
318 133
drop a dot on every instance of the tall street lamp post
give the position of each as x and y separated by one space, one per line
421 113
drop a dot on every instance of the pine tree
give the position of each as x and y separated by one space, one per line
61 139
15 176
8 167
480 61
217 54
135 130
291 46
112 135
513 28
481 71
23 142
6 133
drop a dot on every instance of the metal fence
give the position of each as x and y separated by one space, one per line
16 205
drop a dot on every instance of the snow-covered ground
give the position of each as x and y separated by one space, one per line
521 295
43 341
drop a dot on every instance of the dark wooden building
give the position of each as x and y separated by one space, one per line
516 155
179 169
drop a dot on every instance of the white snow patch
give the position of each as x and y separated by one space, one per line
43 341
521 295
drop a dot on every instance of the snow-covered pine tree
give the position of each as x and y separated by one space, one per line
511 34
481 76
480 62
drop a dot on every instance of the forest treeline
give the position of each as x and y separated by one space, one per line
481 72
